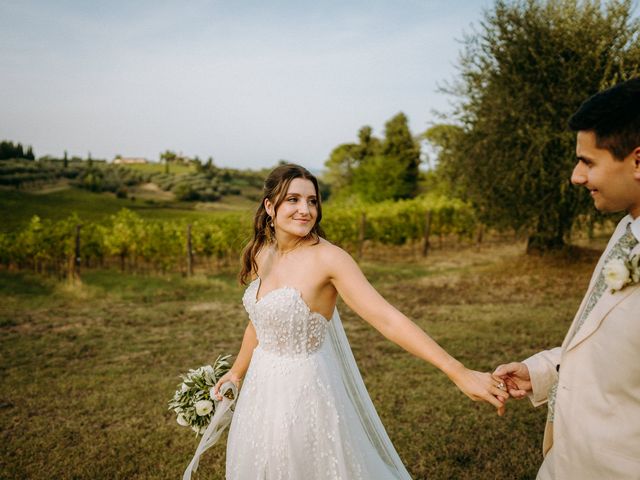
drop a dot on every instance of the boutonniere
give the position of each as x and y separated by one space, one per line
620 272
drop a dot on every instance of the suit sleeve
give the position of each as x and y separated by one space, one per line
544 373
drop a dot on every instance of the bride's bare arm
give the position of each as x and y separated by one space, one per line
240 366
358 293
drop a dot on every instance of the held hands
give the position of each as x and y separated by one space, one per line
516 377
508 380
227 377
480 386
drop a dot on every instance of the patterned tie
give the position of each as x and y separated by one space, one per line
621 250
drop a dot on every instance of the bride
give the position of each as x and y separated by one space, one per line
304 412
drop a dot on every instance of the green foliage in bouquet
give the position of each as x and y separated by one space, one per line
193 402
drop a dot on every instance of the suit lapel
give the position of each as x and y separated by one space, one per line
594 276
605 304
574 324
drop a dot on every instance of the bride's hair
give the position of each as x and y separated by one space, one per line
275 189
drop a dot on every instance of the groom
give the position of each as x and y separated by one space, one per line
592 382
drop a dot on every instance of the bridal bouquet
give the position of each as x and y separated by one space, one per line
194 401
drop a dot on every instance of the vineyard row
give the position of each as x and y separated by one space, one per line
140 245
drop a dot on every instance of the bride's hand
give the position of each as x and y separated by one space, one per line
227 377
481 386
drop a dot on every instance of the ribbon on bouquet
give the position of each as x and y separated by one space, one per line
221 420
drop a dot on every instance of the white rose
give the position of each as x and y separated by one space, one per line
182 421
204 407
616 274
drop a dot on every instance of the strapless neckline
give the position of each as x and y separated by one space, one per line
297 292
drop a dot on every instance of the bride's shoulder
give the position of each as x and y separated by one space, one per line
329 253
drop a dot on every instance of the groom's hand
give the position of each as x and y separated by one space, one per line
516 377
479 386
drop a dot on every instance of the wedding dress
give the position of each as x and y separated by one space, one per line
303 412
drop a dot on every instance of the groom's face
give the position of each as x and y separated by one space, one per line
613 184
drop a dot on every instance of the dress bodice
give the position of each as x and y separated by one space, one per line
284 323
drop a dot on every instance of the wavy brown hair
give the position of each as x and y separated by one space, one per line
275 189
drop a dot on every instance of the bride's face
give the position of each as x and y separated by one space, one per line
298 212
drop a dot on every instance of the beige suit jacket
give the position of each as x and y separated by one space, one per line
596 432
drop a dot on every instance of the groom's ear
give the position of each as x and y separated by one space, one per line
636 163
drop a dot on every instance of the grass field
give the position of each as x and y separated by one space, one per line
19 206
85 372
160 168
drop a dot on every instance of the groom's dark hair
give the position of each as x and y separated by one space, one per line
614 116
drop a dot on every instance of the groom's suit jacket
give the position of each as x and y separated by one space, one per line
596 431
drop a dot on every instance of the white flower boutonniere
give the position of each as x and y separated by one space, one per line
618 273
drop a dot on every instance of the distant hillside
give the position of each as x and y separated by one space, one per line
187 182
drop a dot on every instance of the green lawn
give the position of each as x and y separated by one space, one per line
19 206
85 372
160 168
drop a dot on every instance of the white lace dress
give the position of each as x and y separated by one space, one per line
294 419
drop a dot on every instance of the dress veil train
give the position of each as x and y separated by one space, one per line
359 395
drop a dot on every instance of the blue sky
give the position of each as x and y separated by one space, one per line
247 82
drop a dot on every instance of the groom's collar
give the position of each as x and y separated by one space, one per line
635 227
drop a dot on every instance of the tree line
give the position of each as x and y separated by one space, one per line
528 67
505 147
9 150
376 169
